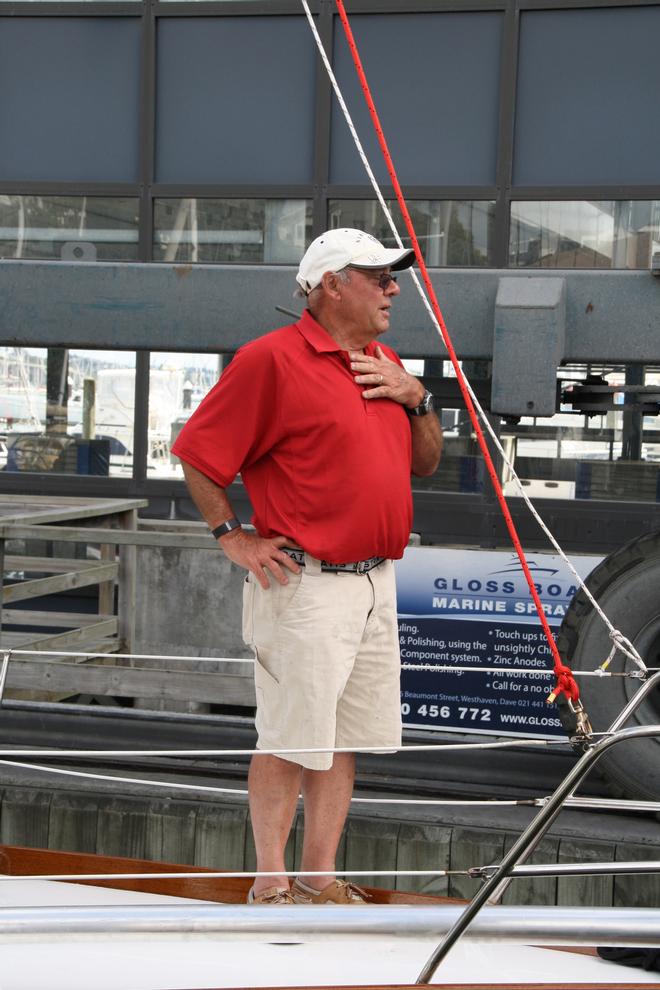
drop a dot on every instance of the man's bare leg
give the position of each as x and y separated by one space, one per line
273 786
327 796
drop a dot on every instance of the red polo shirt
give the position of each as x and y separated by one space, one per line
323 466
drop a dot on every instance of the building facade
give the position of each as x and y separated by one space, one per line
164 164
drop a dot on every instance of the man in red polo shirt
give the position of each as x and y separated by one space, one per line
325 426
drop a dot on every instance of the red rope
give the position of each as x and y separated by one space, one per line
565 683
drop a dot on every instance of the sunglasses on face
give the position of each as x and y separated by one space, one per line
384 280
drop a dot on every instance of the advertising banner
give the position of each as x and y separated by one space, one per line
471 609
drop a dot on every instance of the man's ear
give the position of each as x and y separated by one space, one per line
331 284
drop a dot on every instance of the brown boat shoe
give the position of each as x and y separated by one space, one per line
271 895
336 892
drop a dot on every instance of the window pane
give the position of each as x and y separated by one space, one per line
612 234
203 1
68 228
270 231
613 454
235 100
28 2
461 467
587 88
451 234
70 108
436 79
69 412
177 385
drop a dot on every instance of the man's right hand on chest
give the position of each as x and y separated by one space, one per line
259 555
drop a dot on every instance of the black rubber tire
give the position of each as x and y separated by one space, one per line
626 585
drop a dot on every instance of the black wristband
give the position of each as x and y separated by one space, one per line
225 527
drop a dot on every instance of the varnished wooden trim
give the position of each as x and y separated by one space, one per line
25 861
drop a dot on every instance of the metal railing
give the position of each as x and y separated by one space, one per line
497 882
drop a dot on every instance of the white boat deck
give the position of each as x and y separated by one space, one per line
186 962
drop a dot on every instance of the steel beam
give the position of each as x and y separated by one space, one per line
611 316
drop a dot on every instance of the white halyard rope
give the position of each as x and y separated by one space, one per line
620 642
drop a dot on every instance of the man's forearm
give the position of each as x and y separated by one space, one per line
426 444
248 550
210 499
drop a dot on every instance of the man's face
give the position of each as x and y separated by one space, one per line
365 303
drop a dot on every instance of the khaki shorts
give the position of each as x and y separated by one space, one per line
327 665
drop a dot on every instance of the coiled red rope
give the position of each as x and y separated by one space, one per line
565 683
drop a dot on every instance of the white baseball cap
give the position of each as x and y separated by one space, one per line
344 246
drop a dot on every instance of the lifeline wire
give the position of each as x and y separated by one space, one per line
587 804
234 875
128 656
445 668
519 671
475 872
619 641
207 753
241 874
242 792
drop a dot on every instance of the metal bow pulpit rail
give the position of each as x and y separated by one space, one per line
526 843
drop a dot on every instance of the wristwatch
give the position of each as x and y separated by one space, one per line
225 527
427 405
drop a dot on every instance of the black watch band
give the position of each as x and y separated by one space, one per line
426 406
225 527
